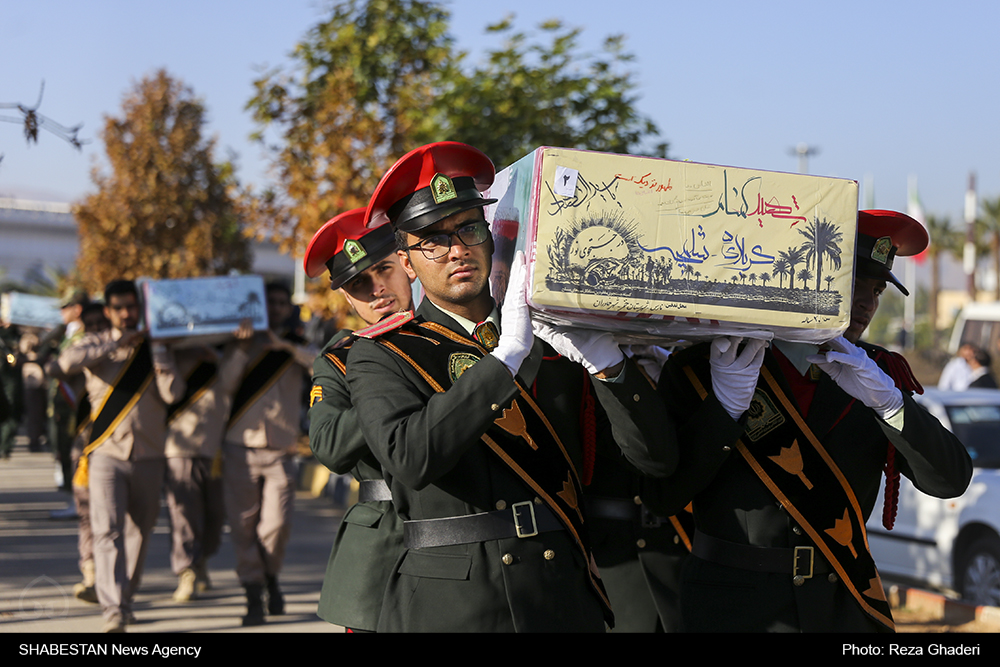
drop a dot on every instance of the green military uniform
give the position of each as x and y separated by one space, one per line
429 445
737 512
12 385
640 554
65 393
370 537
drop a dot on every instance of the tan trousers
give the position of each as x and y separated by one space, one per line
196 511
260 492
124 504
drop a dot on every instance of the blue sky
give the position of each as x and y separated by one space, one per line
886 90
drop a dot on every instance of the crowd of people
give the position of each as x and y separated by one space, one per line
513 476
213 428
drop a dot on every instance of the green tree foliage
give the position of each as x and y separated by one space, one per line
381 77
354 101
991 228
166 210
547 92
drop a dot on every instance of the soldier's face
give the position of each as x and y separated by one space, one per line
279 307
380 289
863 306
460 277
123 311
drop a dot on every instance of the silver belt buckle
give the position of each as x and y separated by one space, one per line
518 510
801 552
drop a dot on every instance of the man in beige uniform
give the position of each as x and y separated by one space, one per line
195 426
130 382
259 468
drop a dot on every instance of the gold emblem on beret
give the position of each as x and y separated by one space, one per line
442 189
355 251
459 362
881 249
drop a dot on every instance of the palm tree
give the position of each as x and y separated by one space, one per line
805 275
781 269
991 219
943 239
829 282
793 256
765 278
822 238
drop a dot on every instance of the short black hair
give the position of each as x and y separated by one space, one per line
401 240
982 357
119 287
278 286
91 307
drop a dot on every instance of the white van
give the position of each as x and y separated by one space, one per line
978 324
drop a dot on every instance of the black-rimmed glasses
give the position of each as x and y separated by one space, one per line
437 246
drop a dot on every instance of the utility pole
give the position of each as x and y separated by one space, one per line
803 151
969 254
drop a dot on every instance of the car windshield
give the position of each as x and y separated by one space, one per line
978 427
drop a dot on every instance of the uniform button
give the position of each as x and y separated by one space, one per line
549 554
635 398
501 505
507 559
677 539
538 501
494 407
726 448
637 500
641 543
832 577
796 530
798 580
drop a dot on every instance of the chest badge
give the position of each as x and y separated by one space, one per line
458 363
762 416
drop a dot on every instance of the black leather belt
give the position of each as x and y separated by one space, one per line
524 519
619 509
796 561
372 490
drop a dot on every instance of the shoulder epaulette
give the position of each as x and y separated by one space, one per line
386 325
896 366
346 341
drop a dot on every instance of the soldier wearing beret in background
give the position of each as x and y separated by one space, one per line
783 488
364 266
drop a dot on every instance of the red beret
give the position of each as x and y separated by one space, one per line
429 184
346 247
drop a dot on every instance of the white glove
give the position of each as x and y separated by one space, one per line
516 339
858 375
595 350
734 378
650 357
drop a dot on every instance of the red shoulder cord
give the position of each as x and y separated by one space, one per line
588 425
900 372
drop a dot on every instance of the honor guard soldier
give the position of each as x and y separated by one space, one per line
130 382
477 423
195 427
364 266
258 450
784 487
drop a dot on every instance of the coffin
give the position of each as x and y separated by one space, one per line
656 249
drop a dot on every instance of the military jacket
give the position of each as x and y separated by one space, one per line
429 447
732 504
370 537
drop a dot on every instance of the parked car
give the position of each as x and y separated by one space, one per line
955 543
